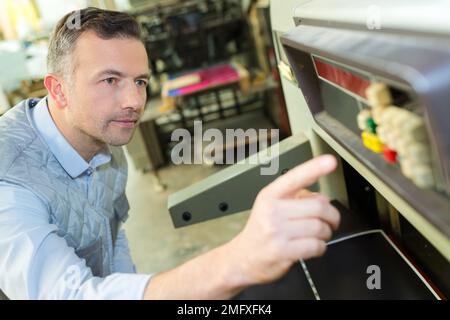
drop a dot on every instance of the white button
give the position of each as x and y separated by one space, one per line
377 112
394 139
402 145
391 140
400 118
362 117
388 114
423 176
415 127
407 167
378 94
382 134
418 152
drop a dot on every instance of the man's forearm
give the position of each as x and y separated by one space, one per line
213 275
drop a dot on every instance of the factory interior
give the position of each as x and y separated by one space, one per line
291 80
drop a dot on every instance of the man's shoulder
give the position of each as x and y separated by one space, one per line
16 113
16 135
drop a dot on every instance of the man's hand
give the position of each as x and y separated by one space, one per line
286 224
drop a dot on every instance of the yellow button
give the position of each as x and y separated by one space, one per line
372 142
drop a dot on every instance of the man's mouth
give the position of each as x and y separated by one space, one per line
125 123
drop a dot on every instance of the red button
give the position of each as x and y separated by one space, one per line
390 155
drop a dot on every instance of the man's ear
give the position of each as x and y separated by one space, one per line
55 88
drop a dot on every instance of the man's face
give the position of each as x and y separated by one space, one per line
107 91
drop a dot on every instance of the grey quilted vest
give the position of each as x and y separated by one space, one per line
88 222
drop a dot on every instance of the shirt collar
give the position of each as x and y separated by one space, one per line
63 151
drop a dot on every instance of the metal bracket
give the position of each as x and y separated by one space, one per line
234 189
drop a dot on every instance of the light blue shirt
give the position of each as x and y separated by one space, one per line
35 263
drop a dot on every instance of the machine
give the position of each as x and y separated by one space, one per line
368 81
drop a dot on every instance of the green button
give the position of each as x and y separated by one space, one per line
371 125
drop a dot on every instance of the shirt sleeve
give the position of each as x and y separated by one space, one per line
35 263
122 258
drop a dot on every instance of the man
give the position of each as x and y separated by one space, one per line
63 176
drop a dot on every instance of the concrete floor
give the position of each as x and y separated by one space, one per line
155 244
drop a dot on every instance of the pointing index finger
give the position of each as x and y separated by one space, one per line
301 176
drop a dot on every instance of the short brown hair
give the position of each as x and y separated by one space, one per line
105 23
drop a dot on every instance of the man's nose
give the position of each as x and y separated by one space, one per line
133 98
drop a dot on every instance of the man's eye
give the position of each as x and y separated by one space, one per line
110 80
141 83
